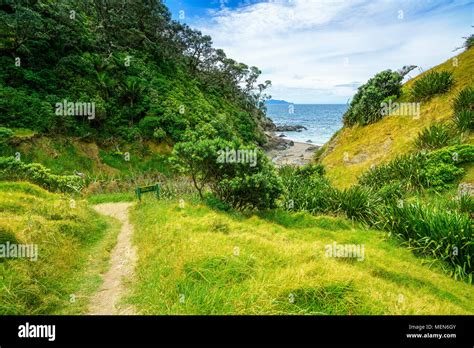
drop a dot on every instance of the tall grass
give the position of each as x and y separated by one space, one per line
444 235
432 84
435 170
197 261
464 109
73 248
434 137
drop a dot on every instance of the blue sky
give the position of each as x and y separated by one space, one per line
319 51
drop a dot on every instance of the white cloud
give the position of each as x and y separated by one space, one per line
308 47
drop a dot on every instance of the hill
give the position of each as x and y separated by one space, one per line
353 150
276 102
140 76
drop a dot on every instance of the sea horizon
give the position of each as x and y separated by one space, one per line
321 120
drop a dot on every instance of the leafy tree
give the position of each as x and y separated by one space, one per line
242 184
365 107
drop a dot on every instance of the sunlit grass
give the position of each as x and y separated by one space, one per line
73 243
357 148
199 261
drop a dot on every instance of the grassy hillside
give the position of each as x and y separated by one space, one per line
73 249
354 150
66 154
194 260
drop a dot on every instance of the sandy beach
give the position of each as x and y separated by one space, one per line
299 154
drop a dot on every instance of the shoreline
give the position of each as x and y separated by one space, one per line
297 154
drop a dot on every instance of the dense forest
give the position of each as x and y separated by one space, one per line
145 75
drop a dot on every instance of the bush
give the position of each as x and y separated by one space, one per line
469 42
360 203
464 100
12 169
307 189
365 106
464 120
445 235
432 84
464 109
436 170
159 134
5 134
434 137
244 184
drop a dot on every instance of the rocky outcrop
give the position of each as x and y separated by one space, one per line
466 188
288 128
277 143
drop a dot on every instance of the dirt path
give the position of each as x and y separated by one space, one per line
122 264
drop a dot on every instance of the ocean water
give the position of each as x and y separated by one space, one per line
322 120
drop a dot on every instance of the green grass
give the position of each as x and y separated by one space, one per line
434 137
393 136
73 243
111 197
431 84
199 261
23 132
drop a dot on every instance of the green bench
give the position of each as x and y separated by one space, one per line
144 189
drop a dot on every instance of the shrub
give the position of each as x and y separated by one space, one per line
307 189
12 169
242 184
433 137
464 120
5 134
159 134
432 84
360 203
469 41
445 235
391 192
464 100
464 109
465 204
436 170
365 106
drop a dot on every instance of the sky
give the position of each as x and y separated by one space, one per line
320 51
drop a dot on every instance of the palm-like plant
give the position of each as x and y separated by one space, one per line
131 90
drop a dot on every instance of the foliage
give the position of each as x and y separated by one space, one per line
434 137
431 84
133 62
242 184
5 134
436 170
307 189
444 235
13 169
365 107
359 203
464 109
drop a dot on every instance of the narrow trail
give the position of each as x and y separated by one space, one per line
122 264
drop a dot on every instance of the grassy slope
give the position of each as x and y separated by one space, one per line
64 155
73 249
394 135
188 265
